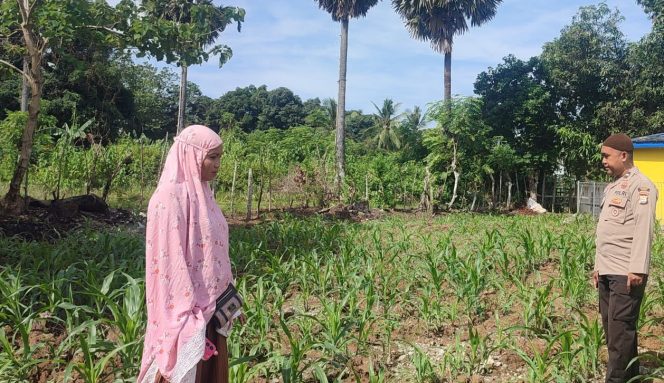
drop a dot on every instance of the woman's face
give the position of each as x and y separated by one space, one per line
211 164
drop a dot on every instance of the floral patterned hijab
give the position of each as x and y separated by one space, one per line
187 265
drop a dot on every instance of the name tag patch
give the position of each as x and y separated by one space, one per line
618 201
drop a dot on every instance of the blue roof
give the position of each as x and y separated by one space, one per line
651 141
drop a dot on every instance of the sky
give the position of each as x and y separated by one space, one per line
294 44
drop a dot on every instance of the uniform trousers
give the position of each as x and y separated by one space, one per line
619 308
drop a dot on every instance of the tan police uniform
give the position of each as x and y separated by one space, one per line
626 225
625 232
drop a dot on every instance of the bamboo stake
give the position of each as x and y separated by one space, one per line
163 152
250 194
233 189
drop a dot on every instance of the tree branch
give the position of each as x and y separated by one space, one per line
25 9
11 66
105 28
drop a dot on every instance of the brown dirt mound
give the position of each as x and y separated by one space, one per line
49 220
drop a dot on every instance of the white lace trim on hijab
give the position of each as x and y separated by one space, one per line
186 363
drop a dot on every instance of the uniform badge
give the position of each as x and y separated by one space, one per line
644 192
624 185
616 201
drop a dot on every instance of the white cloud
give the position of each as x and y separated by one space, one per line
294 44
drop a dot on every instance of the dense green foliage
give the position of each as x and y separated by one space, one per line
531 117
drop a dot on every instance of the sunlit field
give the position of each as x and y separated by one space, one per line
404 298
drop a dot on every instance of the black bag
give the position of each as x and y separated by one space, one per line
228 303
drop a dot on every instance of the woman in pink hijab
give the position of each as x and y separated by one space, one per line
187 266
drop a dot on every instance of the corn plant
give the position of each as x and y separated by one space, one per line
423 367
91 369
129 320
591 339
336 326
567 369
375 377
653 374
19 364
293 366
239 368
538 309
455 361
541 364
480 348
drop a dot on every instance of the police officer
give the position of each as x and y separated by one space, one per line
624 238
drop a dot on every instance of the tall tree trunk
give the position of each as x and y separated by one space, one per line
500 187
493 190
448 79
532 185
12 202
25 86
341 109
426 200
182 101
25 98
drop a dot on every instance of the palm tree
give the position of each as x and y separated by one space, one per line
414 120
330 106
342 11
386 118
438 21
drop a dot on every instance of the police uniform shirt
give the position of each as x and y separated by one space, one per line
626 224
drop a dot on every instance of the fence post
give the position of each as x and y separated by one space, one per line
250 194
592 211
578 197
233 189
555 191
543 190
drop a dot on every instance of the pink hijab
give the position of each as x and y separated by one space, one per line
186 260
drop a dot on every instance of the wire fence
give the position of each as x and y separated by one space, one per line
589 198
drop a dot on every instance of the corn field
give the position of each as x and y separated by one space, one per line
405 298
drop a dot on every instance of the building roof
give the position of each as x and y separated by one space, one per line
651 141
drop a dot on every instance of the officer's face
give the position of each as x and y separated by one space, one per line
614 161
